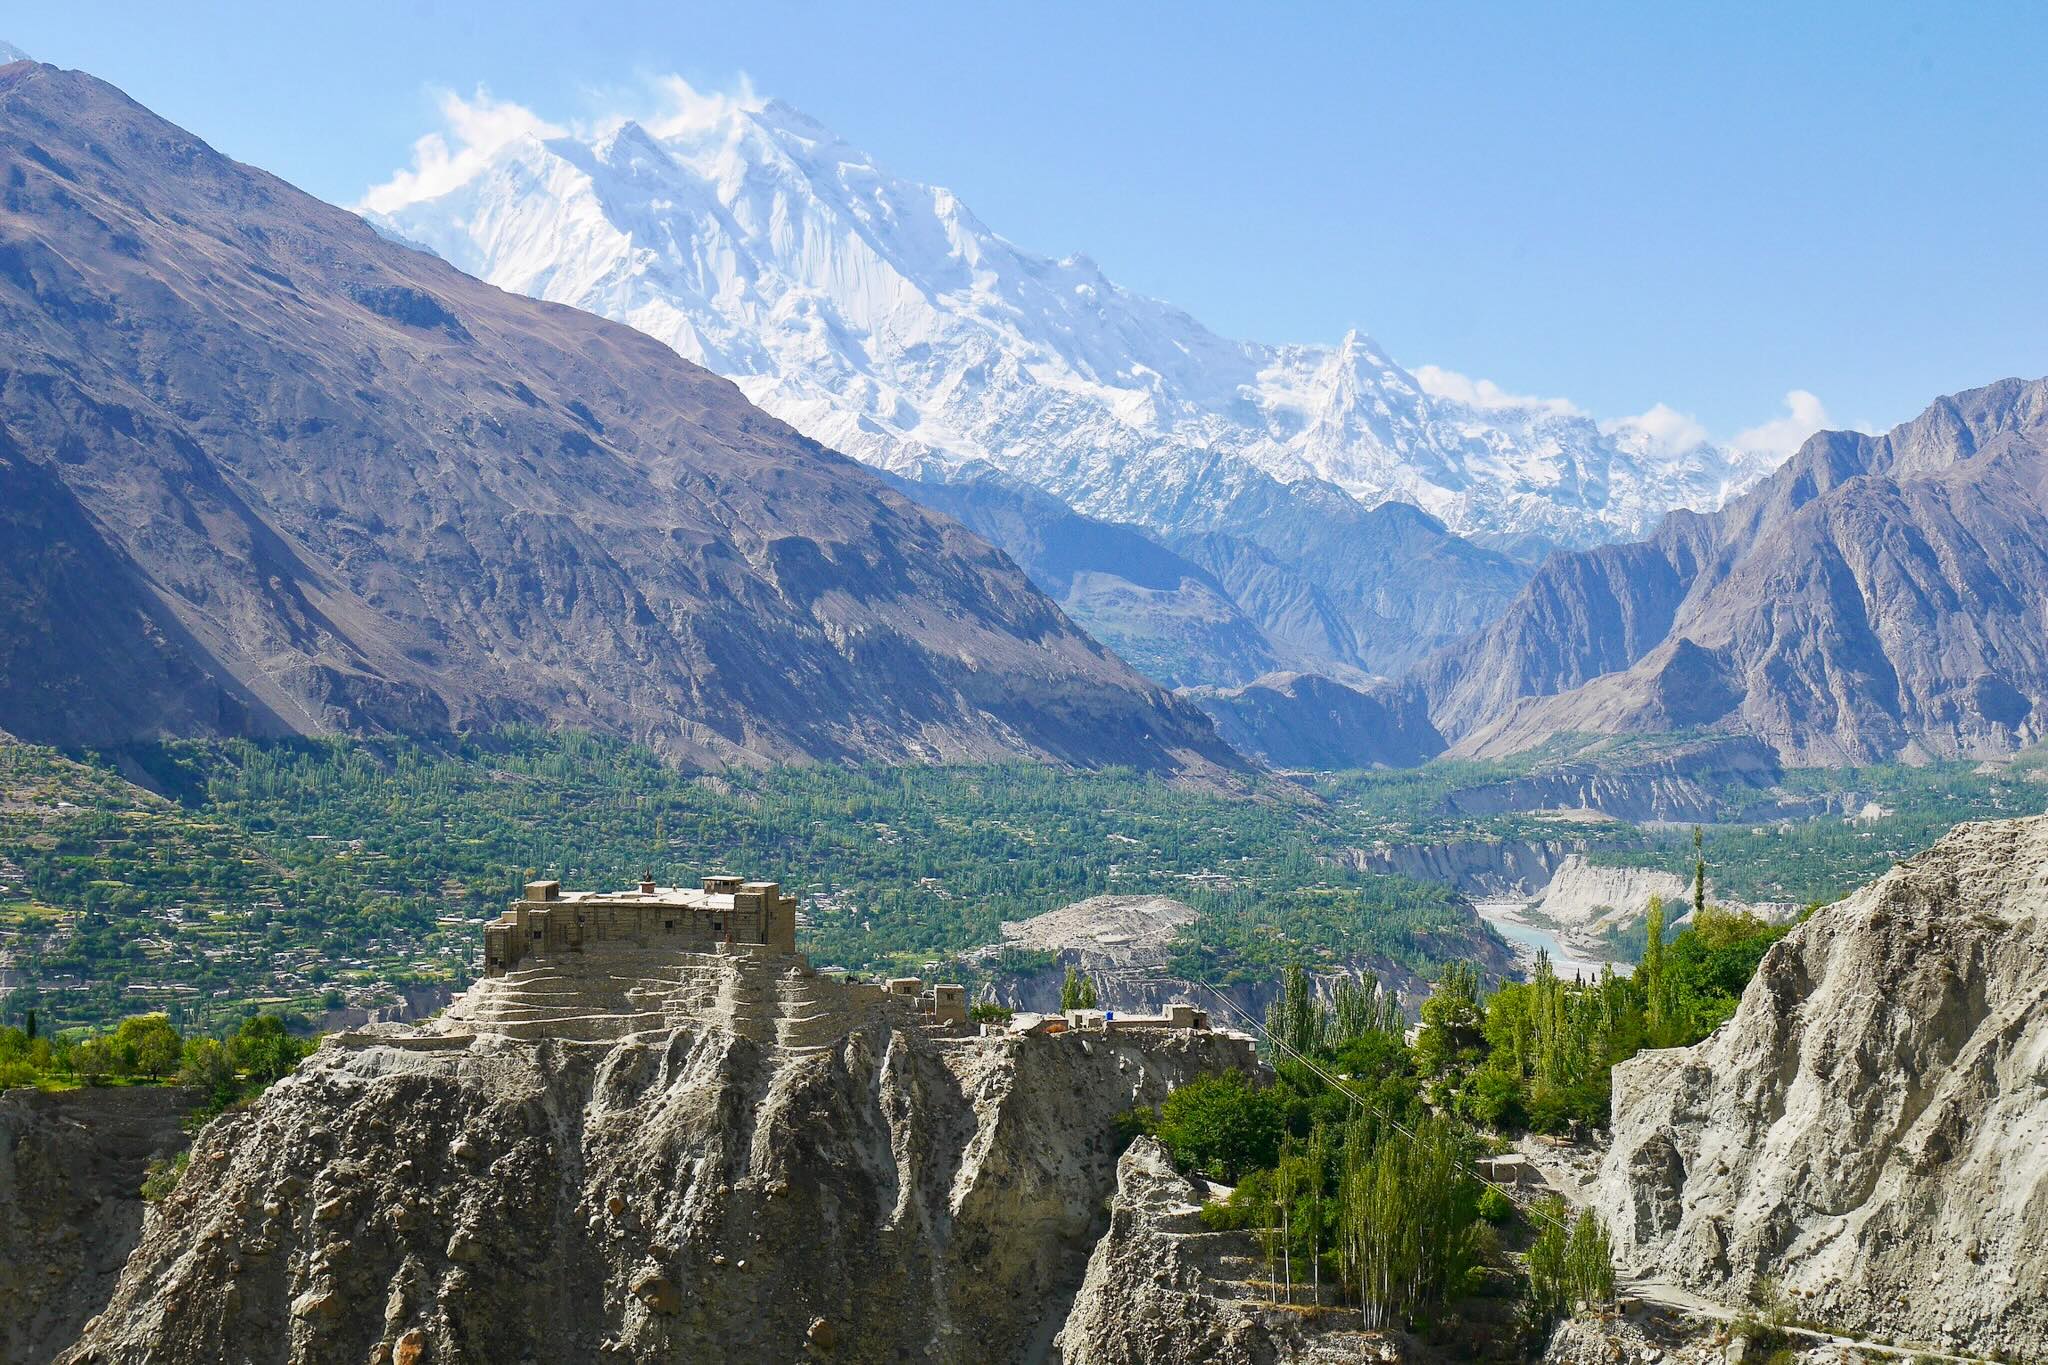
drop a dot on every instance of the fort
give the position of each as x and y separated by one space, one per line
548 921
594 967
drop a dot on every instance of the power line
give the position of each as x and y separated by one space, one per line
1336 1084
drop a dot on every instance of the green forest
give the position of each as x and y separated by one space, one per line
210 880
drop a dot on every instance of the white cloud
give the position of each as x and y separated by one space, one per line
476 128
1439 382
688 110
1774 440
1663 430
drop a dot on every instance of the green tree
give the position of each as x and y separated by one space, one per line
207 1069
263 1048
1409 1213
1451 1040
1656 977
1295 1018
1077 992
147 1045
1222 1126
1571 1262
1699 873
92 1060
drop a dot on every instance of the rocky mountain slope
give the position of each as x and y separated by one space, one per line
71 1170
1869 1129
1691 781
265 472
881 317
1161 613
1300 720
1877 597
1125 945
771 1167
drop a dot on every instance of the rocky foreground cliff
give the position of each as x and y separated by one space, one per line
727 1160
1870 1131
71 1208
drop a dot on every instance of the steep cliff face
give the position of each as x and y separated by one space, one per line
724 1159
71 1209
1871 1129
263 471
1163 1290
1478 867
1688 781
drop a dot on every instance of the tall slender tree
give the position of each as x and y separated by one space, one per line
1699 875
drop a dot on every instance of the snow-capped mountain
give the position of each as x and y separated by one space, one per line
882 318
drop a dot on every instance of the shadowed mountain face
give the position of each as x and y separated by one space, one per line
1300 720
1166 616
262 471
1255 574
1877 597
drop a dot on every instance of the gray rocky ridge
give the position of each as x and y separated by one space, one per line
690 1157
1303 720
71 1208
1163 1290
1870 1130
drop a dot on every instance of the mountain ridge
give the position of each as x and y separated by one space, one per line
1868 601
882 316
305 480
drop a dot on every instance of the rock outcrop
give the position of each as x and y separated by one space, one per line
1481 868
719 1159
1163 1290
1871 1129
71 1208
265 472
1685 782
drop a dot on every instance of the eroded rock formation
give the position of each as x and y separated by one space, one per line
725 1160
71 1209
1871 1129
1163 1290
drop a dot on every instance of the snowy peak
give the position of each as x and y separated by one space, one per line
881 316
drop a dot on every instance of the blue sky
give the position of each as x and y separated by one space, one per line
1701 205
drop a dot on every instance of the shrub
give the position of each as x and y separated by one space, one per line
163 1176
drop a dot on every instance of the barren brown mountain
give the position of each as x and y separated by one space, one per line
1877 597
263 471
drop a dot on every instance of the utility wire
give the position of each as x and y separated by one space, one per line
1338 1085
